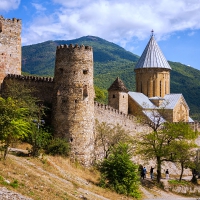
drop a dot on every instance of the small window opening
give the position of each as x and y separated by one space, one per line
1 27
113 96
71 139
76 101
10 55
123 96
64 101
61 70
85 91
85 71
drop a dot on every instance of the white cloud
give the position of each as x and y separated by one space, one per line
115 20
38 7
6 5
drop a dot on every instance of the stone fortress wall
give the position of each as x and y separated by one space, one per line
10 47
42 87
71 92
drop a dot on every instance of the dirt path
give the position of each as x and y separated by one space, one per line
162 195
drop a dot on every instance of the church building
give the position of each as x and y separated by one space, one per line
152 98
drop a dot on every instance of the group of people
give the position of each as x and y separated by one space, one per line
144 172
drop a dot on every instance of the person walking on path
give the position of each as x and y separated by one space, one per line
151 173
167 174
144 172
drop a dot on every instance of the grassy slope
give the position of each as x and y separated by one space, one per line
110 61
52 178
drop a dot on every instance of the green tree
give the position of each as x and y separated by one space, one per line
39 138
100 95
107 136
184 153
19 91
119 172
160 144
182 149
13 122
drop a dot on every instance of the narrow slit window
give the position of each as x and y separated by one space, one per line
85 91
160 88
1 27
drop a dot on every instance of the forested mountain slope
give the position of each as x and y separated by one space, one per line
110 61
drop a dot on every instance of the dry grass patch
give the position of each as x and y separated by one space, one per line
52 178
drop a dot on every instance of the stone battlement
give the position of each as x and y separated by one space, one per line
74 47
32 78
113 110
11 21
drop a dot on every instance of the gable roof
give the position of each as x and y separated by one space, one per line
118 85
171 101
142 100
154 116
152 57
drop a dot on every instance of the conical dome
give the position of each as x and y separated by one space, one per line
152 57
118 85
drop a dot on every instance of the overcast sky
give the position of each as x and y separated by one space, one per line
128 23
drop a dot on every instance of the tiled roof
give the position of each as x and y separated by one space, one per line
142 100
154 116
171 100
152 57
118 85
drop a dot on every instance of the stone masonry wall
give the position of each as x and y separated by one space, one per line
105 113
153 82
73 104
10 47
42 87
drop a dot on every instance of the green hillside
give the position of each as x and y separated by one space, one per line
110 61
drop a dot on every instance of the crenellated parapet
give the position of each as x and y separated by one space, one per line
41 87
13 20
10 26
105 107
73 47
105 113
30 78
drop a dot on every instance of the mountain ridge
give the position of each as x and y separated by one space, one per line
111 61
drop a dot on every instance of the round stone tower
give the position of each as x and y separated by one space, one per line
152 71
73 104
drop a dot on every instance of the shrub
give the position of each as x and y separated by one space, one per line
58 147
119 173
